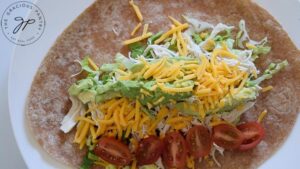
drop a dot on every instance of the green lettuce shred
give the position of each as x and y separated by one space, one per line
86 67
86 163
136 49
272 69
196 37
128 64
154 37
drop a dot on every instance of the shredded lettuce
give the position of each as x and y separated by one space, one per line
194 48
80 85
86 67
131 65
173 46
69 121
152 38
106 78
160 51
91 147
242 35
224 37
86 163
197 25
220 27
109 67
231 102
87 96
272 69
196 37
260 48
92 156
229 43
244 59
234 115
137 49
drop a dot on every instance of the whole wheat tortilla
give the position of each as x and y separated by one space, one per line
99 32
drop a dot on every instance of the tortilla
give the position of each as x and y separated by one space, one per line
99 32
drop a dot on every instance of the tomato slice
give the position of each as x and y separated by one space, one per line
149 150
227 136
199 141
113 151
253 134
175 151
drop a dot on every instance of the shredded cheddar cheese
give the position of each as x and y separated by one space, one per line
170 32
137 39
268 88
175 22
145 29
136 28
136 10
190 162
172 89
250 46
86 120
133 165
92 63
261 116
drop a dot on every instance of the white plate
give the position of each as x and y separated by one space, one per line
58 15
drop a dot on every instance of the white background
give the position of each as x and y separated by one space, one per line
10 157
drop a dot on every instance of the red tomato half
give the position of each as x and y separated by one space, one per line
253 134
227 136
175 151
199 141
113 151
149 150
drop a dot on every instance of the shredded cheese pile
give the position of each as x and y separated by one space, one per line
214 79
122 117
